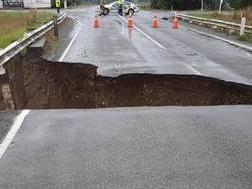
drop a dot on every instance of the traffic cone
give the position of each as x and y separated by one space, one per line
130 22
175 24
154 23
96 22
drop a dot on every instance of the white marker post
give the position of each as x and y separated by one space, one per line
202 5
65 4
243 25
1 4
221 1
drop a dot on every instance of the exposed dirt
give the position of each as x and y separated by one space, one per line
160 90
5 93
64 85
68 85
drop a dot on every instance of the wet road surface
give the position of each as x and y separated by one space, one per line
117 50
6 121
161 147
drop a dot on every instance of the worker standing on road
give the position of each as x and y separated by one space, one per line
120 4
58 5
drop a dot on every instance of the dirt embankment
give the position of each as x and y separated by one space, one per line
5 94
64 85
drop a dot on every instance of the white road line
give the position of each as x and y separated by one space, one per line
74 18
193 69
13 131
71 43
248 48
222 39
146 35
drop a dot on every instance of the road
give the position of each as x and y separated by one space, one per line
161 147
141 147
117 50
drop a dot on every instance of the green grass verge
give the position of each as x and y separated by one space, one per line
145 6
247 38
14 24
229 16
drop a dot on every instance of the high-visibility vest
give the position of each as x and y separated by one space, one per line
120 2
57 3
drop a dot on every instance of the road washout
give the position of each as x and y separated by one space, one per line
55 85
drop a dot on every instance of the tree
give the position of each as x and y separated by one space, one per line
196 4
240 3
245 3
176 4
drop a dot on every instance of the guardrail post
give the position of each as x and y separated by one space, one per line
2 70
55 22
65 4
243 25
16 81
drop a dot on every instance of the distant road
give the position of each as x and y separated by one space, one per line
116 50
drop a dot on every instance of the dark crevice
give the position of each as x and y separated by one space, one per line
71 85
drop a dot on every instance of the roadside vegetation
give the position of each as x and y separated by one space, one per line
229 16
233 10
13 24
247 38
145 5
196 4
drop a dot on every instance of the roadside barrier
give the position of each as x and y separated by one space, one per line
239 29
17 46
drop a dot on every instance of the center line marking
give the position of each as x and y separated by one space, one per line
193 69
13 131
146 35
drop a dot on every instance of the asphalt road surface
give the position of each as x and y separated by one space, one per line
6 121
117 50
125 148
161 147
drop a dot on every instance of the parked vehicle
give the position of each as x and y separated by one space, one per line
129 8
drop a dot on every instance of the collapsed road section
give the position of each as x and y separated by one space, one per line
34 83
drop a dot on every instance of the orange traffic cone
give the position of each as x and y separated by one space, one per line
130 22
96 22
154 23
175 24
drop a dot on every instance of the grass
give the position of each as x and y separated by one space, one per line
145 6
230 16
14 24
247 38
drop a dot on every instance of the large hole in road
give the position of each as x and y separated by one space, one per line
50 85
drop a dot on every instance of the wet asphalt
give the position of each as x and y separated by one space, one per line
6 121
117 50
161 147
121 148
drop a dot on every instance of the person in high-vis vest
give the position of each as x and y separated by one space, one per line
120 4
58 5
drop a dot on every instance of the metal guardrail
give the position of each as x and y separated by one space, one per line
213 22
14 48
